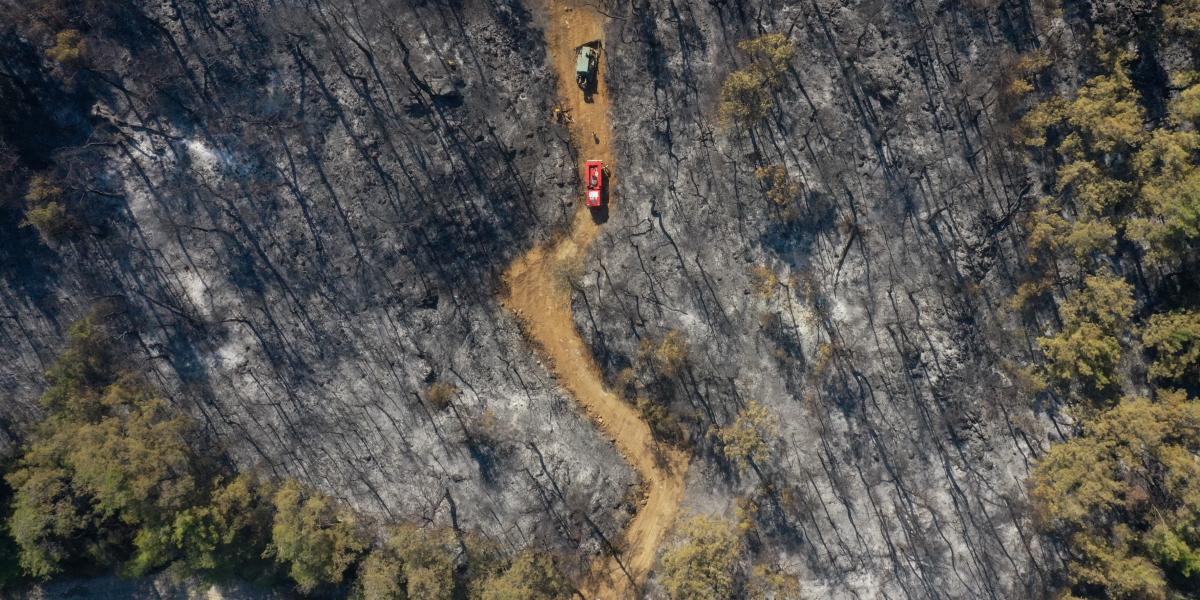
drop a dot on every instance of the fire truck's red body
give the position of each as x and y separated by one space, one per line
594 181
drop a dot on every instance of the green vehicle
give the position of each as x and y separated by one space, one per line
587 59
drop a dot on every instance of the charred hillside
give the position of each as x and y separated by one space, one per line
845 262
298 214
884 298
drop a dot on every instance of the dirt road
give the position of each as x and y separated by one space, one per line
539 296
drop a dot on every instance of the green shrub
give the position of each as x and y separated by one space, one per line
68 48
746 93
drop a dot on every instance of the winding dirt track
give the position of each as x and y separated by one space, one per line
540 298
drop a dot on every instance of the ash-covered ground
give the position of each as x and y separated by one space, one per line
869 314
299 212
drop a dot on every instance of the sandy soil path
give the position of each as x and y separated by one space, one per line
539 296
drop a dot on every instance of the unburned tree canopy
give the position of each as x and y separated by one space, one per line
314 537
1086 351
1126 493
412 563
1175 339
530 577
751 437
105 464
704 565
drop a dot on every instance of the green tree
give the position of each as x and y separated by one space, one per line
705 564
769 56
744 99
228 535
108 463
1126 494
1107 113
1087 349
413 563
45 210
317 540
531 576
1182 17
746 94
83 369
1175 339
751 438
1185 106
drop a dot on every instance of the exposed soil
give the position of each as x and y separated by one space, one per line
540 295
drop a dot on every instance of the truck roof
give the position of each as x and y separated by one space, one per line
583 59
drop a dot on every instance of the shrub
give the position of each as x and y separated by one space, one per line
765 280
781 188
67 49
669 354
662 423
441 394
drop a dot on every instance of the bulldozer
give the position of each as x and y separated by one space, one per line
587 60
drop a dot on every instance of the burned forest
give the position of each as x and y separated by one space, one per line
600 299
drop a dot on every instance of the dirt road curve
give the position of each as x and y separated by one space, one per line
540 298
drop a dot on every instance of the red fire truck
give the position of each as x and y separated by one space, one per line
595 182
